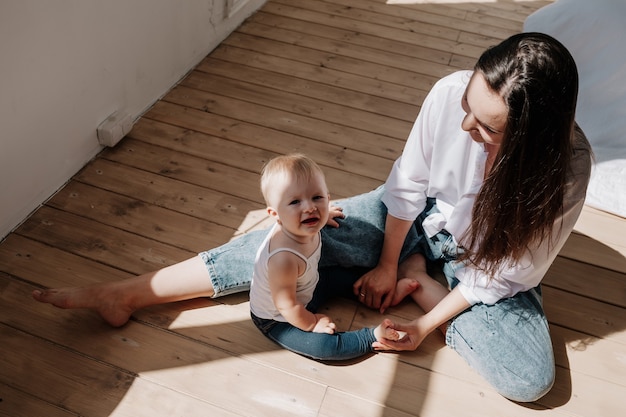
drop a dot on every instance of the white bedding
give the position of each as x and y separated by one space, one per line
595 34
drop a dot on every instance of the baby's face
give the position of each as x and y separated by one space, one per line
301 206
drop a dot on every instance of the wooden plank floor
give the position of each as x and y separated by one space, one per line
342 81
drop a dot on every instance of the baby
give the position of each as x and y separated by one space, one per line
283 292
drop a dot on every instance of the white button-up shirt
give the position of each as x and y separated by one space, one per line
441 160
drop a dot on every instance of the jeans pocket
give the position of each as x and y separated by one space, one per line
264 325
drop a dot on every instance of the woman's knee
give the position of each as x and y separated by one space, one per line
527 388
518 364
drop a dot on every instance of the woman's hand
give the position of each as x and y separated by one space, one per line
415 331
448 306
376 288
324 324
335 212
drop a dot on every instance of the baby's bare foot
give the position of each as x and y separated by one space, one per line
385 330
95 298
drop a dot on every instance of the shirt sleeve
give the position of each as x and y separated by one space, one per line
407 183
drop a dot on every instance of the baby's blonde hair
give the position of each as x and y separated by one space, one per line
300 166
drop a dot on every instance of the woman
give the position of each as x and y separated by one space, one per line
490 185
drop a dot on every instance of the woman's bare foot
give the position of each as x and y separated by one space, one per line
430 291
102 299
404 287
410 272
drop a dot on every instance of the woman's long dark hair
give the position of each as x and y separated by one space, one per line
522 196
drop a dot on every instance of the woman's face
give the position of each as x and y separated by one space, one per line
486 112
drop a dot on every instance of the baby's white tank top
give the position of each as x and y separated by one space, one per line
261 302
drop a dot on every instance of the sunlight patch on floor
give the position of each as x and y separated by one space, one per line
254 220
211 315
228 380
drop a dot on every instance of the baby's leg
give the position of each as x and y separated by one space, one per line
116 301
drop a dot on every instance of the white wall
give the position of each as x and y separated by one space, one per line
66 65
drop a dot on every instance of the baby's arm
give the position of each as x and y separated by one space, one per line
283 273
324 324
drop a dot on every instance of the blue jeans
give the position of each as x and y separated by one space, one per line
508 343
322 346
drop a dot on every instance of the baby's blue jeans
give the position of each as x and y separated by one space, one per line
508 343
334 281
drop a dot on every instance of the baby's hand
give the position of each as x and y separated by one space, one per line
324 324
335 211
